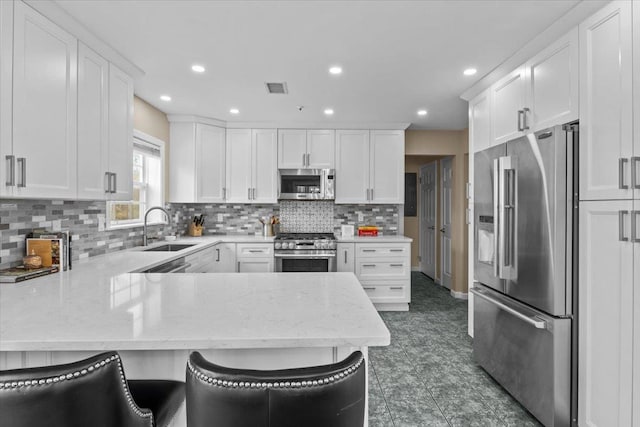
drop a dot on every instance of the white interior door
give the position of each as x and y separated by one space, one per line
445 231
428 187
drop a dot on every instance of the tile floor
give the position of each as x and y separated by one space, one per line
427 376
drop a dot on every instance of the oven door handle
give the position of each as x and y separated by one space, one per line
307 256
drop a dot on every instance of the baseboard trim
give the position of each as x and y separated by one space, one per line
459 295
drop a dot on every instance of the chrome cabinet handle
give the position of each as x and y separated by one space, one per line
397 250
345 256
621 184
11 171
224 193
107 182
396 265
369 288
22 161
238 269
396 288
621 235
249 193
634 229
308 159
520 115
635 181
253 193
540 324
525 125
368 250
304 160
372 197
367 194
115 182
368 265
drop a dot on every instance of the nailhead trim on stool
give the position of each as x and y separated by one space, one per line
287 384
73 375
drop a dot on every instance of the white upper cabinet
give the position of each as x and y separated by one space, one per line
552 84
252 166
265 166
352 166
369 166
509 119
299 148
292 148
93 131
120 134
105 129
210 163
386 170
606 134
6 106
480 121
239 164
321 148
44 142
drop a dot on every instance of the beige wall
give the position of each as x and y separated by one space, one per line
456 144
150 120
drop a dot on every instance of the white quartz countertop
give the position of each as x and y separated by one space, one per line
188 311
372 239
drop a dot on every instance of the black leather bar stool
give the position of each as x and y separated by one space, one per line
319 396
92 392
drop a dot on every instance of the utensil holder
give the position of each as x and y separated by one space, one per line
267 230
194 230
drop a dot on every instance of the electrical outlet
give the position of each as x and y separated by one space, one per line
101 222
360 217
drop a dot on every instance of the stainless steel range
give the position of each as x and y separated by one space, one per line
305 252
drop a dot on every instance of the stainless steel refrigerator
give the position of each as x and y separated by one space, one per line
525 203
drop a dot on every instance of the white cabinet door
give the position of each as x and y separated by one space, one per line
292 148
121 133
606 315
606 103
321 149
552 83
480 121
224 258
238 163
93 132
6 105
182 164
258 265
345 254
265 166
352 166
386 167
635 162
44 107
508 103
210 163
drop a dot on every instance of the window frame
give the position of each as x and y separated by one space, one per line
161 146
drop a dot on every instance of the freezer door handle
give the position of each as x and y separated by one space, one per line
536 322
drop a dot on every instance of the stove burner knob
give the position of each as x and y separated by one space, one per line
316 244
292 245
278 245
332 245
323 245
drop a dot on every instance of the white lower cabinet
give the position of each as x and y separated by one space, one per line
345 254
224 258
606 313
383 269
254 257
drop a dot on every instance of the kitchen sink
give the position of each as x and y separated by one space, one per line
168 248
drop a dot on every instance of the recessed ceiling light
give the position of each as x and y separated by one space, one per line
197 68
166 98
470 71
422 112
335 70
234 111
328 111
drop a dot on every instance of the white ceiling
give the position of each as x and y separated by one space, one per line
397 56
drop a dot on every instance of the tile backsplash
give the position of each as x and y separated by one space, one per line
19 217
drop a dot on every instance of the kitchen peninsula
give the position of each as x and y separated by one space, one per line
253 320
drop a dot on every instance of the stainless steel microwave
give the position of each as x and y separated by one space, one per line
306 184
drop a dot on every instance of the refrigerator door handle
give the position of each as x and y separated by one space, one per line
509 216
496 217
536 322
506 218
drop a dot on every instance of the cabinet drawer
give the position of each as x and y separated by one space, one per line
394 292
382 270
373 250
261 250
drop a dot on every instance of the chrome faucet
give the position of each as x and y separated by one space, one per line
153 208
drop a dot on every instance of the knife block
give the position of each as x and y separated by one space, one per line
194 230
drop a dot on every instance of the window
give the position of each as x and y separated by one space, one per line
148 189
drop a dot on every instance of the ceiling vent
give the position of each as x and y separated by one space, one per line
277 88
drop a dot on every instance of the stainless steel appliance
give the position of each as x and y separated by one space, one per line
300 252
525 325
306 184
